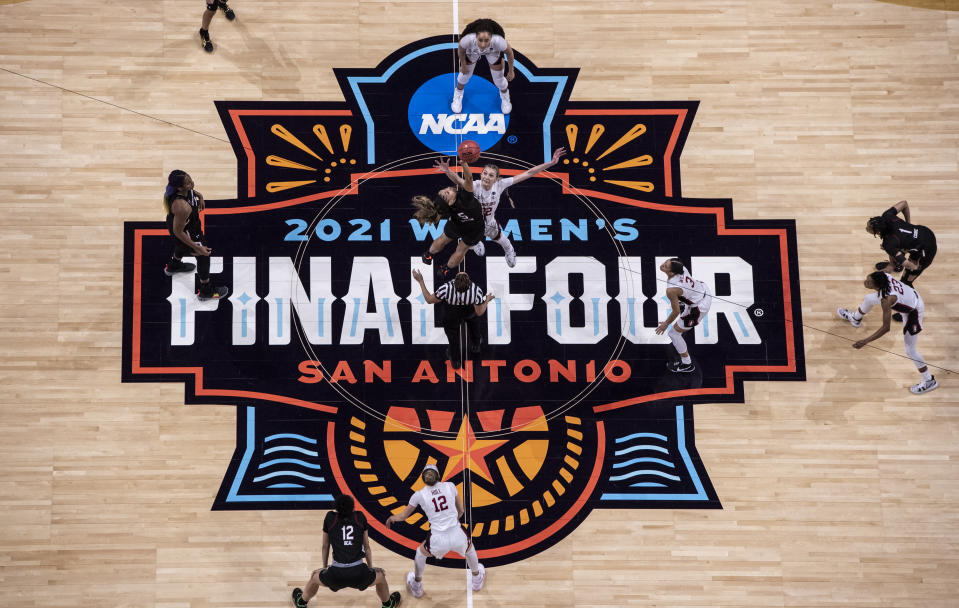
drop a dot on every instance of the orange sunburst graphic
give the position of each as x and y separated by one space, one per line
511 472
590 154
331 162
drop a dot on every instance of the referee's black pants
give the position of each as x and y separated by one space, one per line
453 317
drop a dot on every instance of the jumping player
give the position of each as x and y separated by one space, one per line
488 189
438 499
690 299
484 38
464 217
894 295
183 206
346 530
211 6
900 237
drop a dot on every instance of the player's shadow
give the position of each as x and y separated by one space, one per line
270 69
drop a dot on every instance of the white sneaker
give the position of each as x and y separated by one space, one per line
847 316
415 588
924 386
504 104
479 578
510 256
479 249
457 105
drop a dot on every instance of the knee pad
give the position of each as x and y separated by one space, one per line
499 79
463 76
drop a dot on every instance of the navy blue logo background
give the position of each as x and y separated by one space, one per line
335 364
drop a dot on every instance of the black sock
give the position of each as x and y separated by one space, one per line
204 32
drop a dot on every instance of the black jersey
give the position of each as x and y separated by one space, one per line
465 211
346 536
904 236
193 226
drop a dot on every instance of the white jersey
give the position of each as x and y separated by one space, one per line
489 199
907 298
496 47
439 503
694 291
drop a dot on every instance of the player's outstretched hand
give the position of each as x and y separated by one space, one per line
390 520
558 153
442 165
417 275
662 327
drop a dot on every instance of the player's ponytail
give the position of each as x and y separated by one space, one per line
483 25
428 210
881 281
174 182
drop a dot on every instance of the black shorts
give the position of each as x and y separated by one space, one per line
359 577
469 233
923 256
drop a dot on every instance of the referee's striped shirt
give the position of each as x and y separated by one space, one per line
447 292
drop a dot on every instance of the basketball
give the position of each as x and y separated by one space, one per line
469 151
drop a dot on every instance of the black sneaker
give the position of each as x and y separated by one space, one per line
174 266
681 368
427 258
208 292
205 41
227 11
897 317
298 598
394 600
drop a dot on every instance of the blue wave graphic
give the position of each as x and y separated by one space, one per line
665 463
292 473
655 448
291 448
643 435
302 463
644 472
285 485
290 436
641 484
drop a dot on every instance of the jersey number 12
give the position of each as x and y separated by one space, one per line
439 504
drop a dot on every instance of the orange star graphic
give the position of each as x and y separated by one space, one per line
466 451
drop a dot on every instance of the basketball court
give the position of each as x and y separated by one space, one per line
160 450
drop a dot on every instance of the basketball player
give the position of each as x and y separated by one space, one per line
484 38
211 6
463 214
438 499
894 295
465 303
183 205
900 237
690 300
345 530
488 189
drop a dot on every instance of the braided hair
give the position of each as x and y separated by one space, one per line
173 184
879 226
483 25
881 281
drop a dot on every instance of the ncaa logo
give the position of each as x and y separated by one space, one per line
439 129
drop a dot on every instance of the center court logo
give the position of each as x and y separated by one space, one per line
334 362
439 129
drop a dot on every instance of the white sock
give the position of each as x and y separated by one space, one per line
926 376
685 359
678 343
419 564
471 560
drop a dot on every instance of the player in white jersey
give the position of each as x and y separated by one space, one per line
690 300
488 190
891 295
441 503
484 38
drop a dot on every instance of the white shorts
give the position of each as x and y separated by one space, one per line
473 56
692 315
441 543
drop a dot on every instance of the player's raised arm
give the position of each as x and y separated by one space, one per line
467 176
525 175
443 165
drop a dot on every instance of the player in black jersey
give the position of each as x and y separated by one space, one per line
211 7
345 530
183 205
463 214
899 238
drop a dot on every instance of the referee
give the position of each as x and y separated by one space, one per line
465 303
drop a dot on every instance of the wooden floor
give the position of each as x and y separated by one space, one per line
840 491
